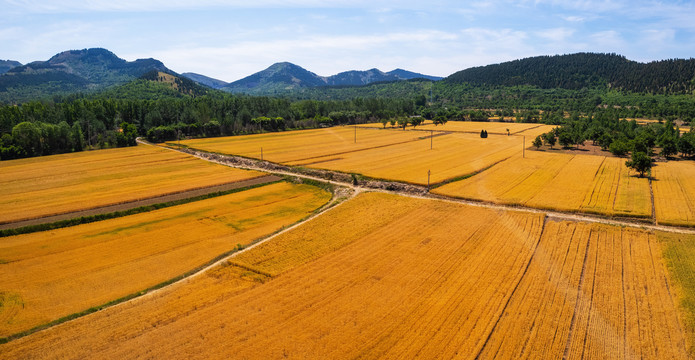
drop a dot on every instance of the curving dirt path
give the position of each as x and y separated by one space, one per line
393 187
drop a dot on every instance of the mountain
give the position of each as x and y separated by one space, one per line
355 78
6 65
408 75
204 80
585 70
278 77
155 85
286 76
72 71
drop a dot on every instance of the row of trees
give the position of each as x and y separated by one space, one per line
29 139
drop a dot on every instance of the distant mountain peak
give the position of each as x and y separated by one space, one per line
204 80
6 65
73 71
283 76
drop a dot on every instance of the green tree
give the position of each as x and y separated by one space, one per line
619 148
127 135
565 139
27 136
538 142
686 144
669 146
605 141
549 138
640 162
403 122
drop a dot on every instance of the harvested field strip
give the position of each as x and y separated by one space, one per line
679 255
410 278
112 211
302 145
58 184
617 191
452 155
591 291
562 182
674 192
83 266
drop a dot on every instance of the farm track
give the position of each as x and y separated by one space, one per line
416 191
143 202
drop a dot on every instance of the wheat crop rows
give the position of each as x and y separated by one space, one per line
408 278
50 185
61 272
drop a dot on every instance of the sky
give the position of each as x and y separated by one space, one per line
229 40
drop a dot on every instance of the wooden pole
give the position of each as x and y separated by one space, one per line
431 136
428 180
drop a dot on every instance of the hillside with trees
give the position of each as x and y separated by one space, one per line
72 71
586 70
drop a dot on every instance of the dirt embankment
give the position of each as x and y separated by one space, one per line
319 174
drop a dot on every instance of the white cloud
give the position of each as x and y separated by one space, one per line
78 6
608 41
574 18
556 34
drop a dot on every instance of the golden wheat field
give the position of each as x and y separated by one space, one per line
586 183
679 255
50 185
474 127
386 154
302 145
674 192
384 276
450 156
54 274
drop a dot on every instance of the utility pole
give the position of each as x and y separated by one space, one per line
428 180
355 134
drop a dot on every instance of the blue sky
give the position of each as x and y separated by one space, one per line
232 39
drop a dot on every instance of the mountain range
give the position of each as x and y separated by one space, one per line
95 70
284 76
72 71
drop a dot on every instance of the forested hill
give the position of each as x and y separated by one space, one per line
6 65
586 70
72 71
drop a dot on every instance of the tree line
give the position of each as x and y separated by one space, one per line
49 127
